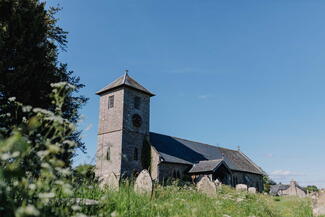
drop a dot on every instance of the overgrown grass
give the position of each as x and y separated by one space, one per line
186 201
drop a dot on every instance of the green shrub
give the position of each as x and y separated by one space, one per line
33 179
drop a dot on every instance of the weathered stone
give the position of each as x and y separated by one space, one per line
206 186
217 183
319 205
252 190
111 181
241 187
143 183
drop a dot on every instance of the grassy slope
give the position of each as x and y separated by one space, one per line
185 201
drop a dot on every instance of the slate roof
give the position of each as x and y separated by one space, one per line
176 150
125 80
274 189
206 166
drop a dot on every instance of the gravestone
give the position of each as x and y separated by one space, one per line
111 182
241 187
217 183
319 205
143 183
252 190
206 186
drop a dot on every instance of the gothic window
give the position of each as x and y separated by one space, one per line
108 153
111 101
135 154
137 102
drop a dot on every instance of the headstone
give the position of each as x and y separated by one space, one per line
143 183
241 187
206 186
111 182
217 183
252 190
319 205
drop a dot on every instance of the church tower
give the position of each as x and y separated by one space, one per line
124 112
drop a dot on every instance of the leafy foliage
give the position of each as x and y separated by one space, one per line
267 181
311 188
84 173
30 41
32 175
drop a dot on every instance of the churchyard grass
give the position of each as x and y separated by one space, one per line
176 200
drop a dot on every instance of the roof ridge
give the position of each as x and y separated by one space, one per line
124 77
196 142
125 80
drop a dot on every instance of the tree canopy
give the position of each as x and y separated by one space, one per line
30 42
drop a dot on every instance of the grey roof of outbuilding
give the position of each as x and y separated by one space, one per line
274 189
125 80
206 166
176 150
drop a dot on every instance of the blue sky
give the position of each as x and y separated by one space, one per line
248 73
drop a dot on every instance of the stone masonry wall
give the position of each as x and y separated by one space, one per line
133 137
110 134
130 110
105 166
111 119
249 179
168 170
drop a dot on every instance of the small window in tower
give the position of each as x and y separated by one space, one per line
108 154
137 102
111 101
135 154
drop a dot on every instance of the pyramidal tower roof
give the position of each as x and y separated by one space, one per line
124 80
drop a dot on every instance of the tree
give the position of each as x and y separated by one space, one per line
267 181
311 188
30 41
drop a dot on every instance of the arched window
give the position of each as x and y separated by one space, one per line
108 153
135 154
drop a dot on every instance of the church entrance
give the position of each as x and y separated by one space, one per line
223 174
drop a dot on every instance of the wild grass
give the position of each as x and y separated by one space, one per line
186 201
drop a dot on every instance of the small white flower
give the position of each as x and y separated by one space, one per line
11 99
27 108
32 186
80 215
46 195
28 210
5 156
42 154
76 207
63 84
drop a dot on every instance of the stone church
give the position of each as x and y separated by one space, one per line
126 145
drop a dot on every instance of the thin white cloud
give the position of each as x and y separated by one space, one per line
285 173
203 96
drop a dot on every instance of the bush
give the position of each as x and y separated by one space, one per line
84 173
33 179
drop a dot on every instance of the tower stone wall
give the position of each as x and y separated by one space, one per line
122 129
